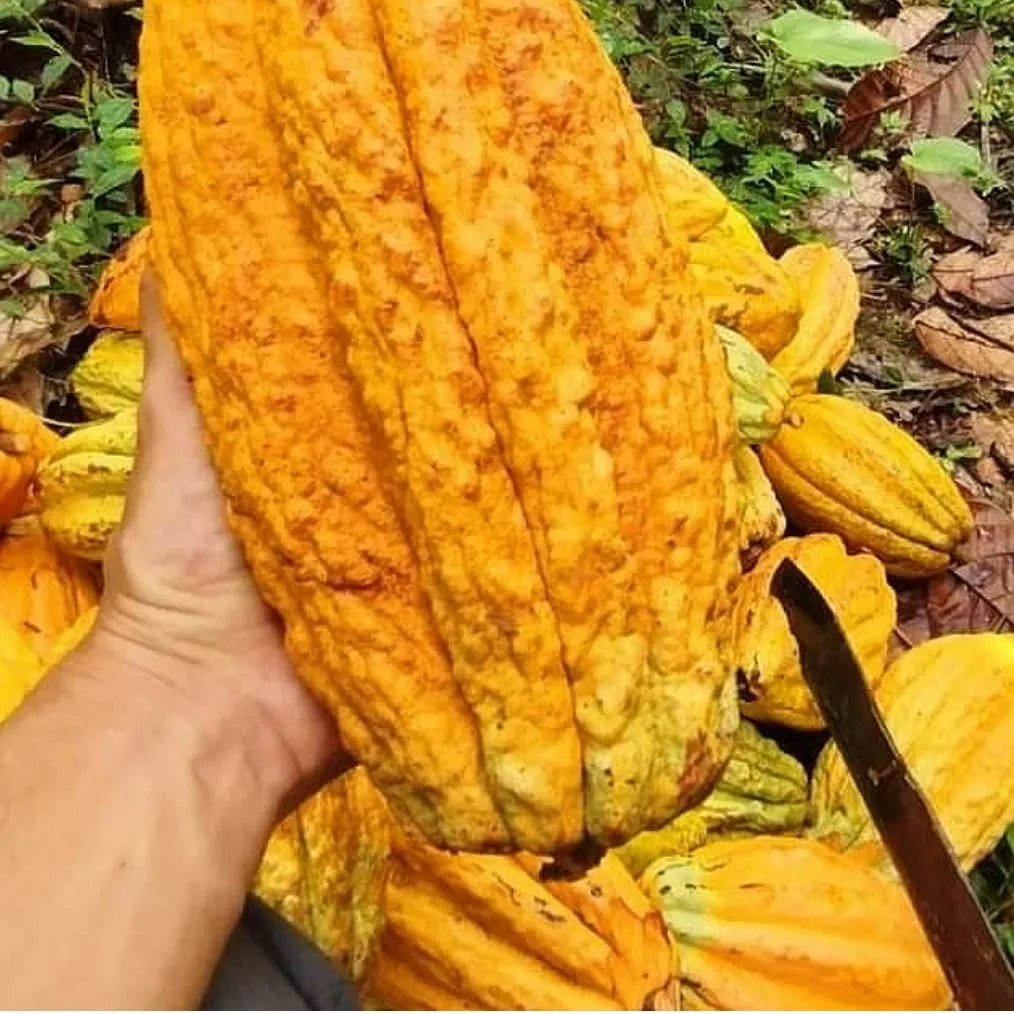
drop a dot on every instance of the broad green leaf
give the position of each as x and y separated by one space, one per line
38 40
54 70
69 121
943 156
810 38
23 91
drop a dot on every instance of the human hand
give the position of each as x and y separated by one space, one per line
180 606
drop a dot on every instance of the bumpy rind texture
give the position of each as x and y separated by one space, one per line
829 304
42 589
25 442
473 428
763 790
788 924
840 467
107 380
116 302
743 286
760 394
762 520
949 705
417 928
82 487
768 671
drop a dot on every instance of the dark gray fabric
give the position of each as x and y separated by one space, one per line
269 965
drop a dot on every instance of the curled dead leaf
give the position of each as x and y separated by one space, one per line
963 213
984 279
947 341
912 25
848 217
932 90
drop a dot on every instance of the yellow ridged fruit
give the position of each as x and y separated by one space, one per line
735 229
829 307
470 418
420 929
759 393
840 467
949 705
693 204
116 302
745 289
762 521
788 924
20 669
107 380
771 683
83 485
763 790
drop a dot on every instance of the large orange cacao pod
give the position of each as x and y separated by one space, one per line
787 924
116 302
768 670
420 929
840 467
42 590
829 307
25 443
471 421
949 705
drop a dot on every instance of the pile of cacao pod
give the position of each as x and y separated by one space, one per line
573 412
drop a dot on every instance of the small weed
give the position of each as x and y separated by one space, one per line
993 881
906 248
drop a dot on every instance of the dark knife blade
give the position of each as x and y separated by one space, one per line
957 928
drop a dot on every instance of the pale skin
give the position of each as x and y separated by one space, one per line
139 783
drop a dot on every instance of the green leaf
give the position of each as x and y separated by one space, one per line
38 40
54 70
114 178
943 156
23 91
69 121
5 88
810 38
113 112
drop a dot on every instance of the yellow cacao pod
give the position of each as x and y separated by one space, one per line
116 302
788 924
64 643
759 393
763 790
829 307
948 706
20 669
840 467
107 380
421 929
450 415
83 485
771 683
762 521
693 204
745 289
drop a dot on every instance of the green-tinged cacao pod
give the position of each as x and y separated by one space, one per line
82 486
763 790
759 393
949 705
768 671
840 467
107 380
788 924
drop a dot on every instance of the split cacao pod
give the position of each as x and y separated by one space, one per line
107 380
840 467
42 589
763 790
829 307
116 302
768 671
450 415
772 923
420 929
947 704
82 487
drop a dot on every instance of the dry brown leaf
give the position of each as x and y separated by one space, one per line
987 280
848 217
912 25
27 386
999 329
932 90
963 213
21 337
976 594
945 340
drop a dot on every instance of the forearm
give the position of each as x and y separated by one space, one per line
152 809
